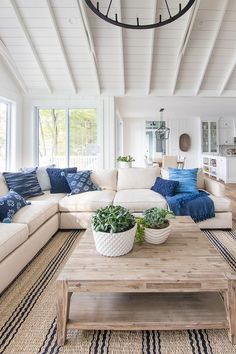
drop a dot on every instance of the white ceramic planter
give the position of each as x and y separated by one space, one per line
114 245
157 236
123 164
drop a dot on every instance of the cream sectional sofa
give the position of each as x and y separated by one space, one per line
35 224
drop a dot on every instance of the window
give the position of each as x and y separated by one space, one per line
68 137
4 133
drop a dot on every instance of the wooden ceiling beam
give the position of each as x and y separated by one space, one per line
153 37
61 45
208 58
184 42
87 34
228 75
31 44
7 58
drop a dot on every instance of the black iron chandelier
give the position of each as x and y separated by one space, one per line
172 14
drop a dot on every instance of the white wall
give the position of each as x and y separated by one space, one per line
134 139
9 91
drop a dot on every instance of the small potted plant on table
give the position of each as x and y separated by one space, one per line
154 226
125 161
114 229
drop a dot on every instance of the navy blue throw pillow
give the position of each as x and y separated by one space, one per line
80 182
58 180
24 183
165 187
10 204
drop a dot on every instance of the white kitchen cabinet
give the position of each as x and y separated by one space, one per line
226 131
226 123
226 136
222 168
209 137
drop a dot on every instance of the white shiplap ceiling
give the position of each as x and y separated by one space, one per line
60 46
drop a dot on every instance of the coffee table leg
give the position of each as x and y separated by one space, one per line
231 310
63 299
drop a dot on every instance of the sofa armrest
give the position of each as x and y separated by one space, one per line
215 188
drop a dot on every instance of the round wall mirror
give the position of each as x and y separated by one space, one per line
184 142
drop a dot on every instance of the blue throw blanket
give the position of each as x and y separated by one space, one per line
197 205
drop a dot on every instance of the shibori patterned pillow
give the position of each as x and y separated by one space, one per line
80 182
10 204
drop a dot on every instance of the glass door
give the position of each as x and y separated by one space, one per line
213 137
205 137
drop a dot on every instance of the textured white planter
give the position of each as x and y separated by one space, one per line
123 164
114 245
157 236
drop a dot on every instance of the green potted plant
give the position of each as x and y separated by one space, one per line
114 229
154 226
125 161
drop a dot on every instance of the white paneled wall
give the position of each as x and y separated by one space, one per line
134 139
191 126
9 91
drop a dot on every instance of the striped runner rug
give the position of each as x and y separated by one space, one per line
28 318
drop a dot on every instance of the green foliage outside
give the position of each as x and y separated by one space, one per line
53 132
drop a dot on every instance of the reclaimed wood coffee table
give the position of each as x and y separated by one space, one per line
182 284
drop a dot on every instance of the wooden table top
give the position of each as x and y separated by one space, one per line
186 259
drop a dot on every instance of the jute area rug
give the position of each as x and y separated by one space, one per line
28 317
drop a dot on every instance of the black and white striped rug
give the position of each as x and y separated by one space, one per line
28 319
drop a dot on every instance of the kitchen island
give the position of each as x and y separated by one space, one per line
222 167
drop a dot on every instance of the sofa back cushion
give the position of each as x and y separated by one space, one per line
105 179
137 178
58 180
200 177
42 175
3 186
24 183
187 179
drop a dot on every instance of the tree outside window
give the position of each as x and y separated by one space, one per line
68 138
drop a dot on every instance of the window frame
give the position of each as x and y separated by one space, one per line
67 109
8 131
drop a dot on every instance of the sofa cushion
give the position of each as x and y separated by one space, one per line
222 204
36 214
105 179
42 175
187 179
139 200
3 186
10 204
80 182
200 177
89 201
58 180
137 178
11 236
24 183
165 187
49 197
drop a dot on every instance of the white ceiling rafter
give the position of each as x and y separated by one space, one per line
89 41
184 42
208 58
153 36
12 67
228 75
61 44
122 47
31 44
